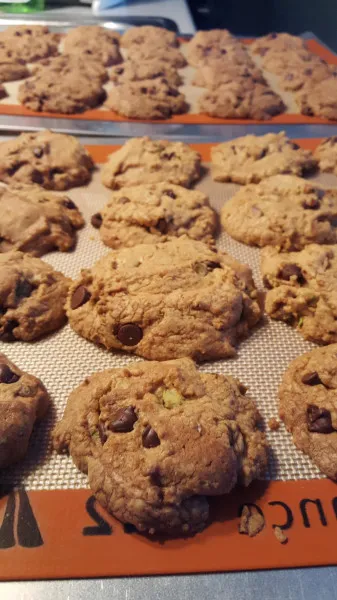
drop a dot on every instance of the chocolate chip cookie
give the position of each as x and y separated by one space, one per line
53 160
148 69
72 91
215 44
142 160
155 212
68 64
302 290
11 68
212 76
274 43
23 400
284 211
150 51
308 406
29 42
179 435
319 100
94 41
166 300
305 76
251 158
35 221
242 99
148 99
32 297
148 34
326 154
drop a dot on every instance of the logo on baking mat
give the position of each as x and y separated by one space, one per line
19 525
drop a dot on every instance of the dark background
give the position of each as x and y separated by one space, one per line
257 17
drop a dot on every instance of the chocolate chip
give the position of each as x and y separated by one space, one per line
168 156
289 77
96 220
80 296
155 475
162 226
69 204
291 270
7 334
223 51
143 90
55 171
319 420
119 71
311 378
308 72
124 420
150 438
172 92
295 146
37 177
266 283
7 375
170 193
202 268
272 36
311 203
14 168
23 288
38 152
262 154
123 200
129 334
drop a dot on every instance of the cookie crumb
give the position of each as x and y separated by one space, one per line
280 535
252 521
274 424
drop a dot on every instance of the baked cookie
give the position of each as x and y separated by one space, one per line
147 34
211 44
151 50
251 158
283 211
94 41
155 212
149 69
178 434
308 75
326 154
23 400
277 43
213 76
67 64
53 160
302 290
29 42
308 406
72 91
148 99
319 100
36 221
283 62
242 99
166 300
142 160
11 68
32 297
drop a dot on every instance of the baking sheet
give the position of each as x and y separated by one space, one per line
69 535
115 124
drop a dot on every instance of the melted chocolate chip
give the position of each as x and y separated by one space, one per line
37 177
172 92
319 420
295 146
162 226
69 204
119 71
170 193
7 375
23 288
311 378
168 156
123 200
96 220
80 296
7 334
266 283
124 420
290 270
129 334
38 152
150 438
14 168
102 435
311 203
55 171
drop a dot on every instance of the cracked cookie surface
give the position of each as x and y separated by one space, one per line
23 400
308 406
165 300
32 297
157 438
53 160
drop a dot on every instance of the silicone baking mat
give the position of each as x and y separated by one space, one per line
10 105
50 524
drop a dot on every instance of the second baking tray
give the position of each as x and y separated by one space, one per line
50 524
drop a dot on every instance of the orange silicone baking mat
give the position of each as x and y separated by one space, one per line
50 524
11 106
